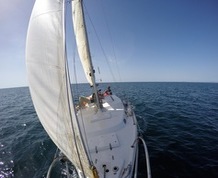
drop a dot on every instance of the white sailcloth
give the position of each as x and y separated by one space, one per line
49 82
81 39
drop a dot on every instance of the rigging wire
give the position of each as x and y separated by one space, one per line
112 41
77 94
112 44
103 51
100 79
68 87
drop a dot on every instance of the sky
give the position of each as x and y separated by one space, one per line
142 41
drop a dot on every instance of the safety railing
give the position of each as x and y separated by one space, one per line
146 157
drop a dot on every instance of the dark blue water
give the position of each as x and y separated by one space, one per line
179 122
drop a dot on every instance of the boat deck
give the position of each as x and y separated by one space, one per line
109 134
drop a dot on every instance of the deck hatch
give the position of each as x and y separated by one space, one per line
103 142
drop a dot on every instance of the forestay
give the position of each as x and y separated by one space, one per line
49 82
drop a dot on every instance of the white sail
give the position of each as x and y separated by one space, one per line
49 82
81 39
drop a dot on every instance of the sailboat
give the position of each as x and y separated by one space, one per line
100 138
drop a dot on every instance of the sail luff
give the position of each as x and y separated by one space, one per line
69 98
49 81
82 40
83 44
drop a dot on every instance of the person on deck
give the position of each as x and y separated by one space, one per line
93 98
108 91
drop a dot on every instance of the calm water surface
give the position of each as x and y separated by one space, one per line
179 122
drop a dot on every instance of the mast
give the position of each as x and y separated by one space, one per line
83 45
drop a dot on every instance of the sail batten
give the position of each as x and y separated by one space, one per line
49 81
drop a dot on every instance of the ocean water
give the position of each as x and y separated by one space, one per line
179 122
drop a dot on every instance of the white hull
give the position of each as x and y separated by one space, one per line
109 135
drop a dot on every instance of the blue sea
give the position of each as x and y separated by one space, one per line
179 122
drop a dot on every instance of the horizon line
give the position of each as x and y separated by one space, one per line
11 87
